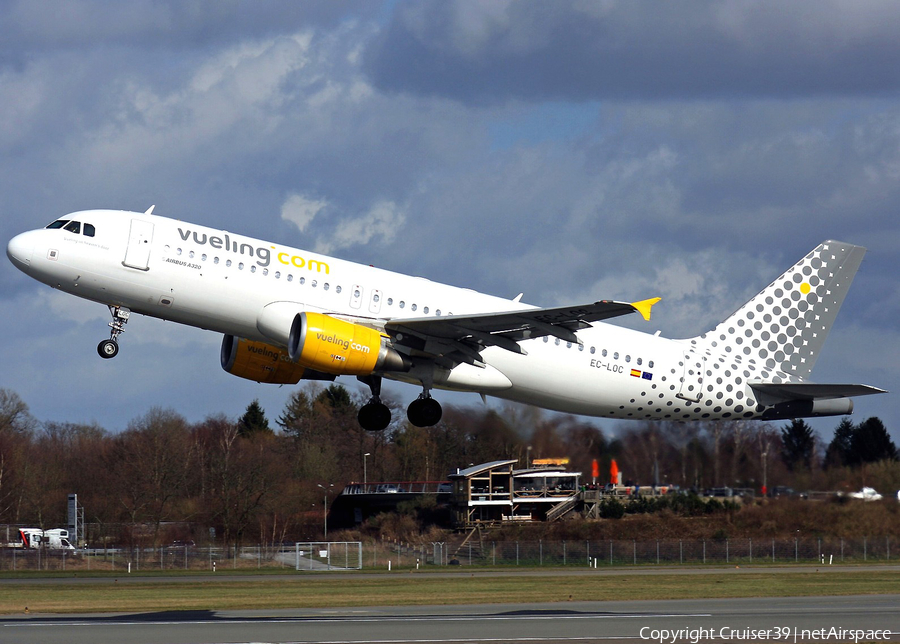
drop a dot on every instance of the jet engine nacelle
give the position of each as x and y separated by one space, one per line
336 346
263 362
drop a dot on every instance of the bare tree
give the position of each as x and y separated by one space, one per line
151 464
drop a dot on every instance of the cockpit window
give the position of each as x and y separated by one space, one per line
89 230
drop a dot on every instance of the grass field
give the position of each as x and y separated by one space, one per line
279 591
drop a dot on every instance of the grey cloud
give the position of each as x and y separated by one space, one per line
638 49
31 28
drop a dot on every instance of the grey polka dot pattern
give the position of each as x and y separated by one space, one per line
775 337
783 328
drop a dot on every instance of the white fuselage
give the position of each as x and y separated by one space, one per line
221 281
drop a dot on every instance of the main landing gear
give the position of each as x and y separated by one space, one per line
110 348
425 411
375 416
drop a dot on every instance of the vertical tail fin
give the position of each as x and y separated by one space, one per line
785 325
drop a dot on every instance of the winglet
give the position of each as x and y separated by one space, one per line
643 307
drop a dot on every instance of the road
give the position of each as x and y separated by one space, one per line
807 619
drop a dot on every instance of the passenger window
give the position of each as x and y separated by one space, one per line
73 227
89 230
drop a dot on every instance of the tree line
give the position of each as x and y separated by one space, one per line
250 479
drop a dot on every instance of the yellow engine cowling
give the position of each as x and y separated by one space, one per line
264 363
336 346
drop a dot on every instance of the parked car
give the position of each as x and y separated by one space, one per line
866 494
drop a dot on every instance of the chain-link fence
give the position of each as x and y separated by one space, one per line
315 556
355 555
673 551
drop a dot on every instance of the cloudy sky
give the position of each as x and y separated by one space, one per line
572 150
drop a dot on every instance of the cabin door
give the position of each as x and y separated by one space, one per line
137 254
692 377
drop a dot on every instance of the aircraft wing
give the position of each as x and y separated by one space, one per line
459 338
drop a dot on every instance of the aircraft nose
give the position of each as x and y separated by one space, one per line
19 250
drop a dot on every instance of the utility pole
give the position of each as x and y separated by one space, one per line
325 514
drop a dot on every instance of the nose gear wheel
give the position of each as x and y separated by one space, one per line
110 348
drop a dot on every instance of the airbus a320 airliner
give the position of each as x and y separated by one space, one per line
289 314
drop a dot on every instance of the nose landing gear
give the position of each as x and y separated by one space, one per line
110 348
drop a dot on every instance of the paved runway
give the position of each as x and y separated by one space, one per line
807 619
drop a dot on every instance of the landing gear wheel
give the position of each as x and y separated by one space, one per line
424 412
108 349
374 416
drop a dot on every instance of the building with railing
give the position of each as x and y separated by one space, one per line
495 493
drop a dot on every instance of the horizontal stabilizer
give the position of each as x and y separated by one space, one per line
812 390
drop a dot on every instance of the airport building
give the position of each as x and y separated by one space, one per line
489 494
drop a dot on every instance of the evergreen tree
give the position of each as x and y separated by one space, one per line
871 443
337 398
840 448
253 421
297 413
799 443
